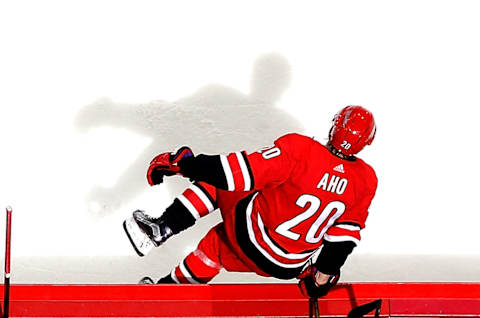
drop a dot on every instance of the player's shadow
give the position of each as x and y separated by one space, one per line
214 119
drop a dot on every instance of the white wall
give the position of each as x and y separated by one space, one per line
191 63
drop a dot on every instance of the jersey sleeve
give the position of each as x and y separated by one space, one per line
272 166
239 171
341 238
349 225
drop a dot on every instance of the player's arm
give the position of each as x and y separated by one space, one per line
333 256
230 172
237 171
338 243
344 235
325 273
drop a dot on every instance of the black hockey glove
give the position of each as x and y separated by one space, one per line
310 288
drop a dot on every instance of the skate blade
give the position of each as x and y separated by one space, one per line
140 241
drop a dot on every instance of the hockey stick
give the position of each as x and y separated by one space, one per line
313 308
6 297
362 310
357 312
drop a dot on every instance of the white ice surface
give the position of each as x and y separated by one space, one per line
130 269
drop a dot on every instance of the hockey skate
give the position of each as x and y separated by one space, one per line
145 232
146 281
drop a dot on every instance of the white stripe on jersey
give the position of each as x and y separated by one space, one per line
348 227
202 197
341 238
206 260
228 173
245 174
189 206
187 274
274 248
253 239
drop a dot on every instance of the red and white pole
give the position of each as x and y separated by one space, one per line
6 297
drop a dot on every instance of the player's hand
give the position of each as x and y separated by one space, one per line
316 284
165 164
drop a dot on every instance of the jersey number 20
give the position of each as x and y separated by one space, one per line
325 216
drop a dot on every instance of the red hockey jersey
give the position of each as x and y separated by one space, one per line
304 195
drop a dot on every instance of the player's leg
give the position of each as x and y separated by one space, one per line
146 232
202 265
228 204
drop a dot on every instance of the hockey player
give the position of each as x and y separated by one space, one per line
279 206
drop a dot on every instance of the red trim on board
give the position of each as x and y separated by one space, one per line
247 300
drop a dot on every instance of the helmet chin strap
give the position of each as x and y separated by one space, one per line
339 154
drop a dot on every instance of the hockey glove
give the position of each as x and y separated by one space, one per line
310 288
165 164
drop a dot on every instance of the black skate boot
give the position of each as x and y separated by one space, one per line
146 281
145 232
164 280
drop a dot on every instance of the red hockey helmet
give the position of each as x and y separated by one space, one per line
353 128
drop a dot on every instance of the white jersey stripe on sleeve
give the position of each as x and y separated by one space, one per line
228 172
245 174
202 197
341 238
189 206
348 227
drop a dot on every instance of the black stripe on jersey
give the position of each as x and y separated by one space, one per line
346 223
204 168
195 277
273 241
207 194
251 251
252 181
